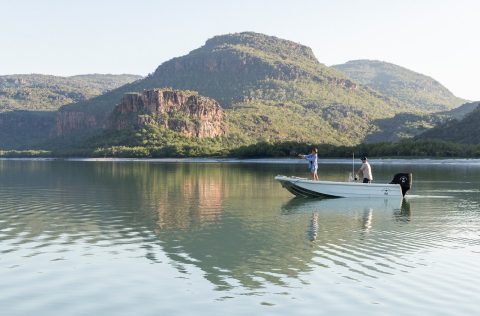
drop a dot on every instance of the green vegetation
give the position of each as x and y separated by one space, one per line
25 153
152 141
414 89
460 112
464 131
404 148
28 104
221 147
274 92
272 89
401 126
47 93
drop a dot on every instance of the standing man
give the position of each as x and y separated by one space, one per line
366 170
312 163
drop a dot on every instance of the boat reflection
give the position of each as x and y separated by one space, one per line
342 204
404 213
348 215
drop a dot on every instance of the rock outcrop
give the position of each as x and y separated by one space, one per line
66 122
184 112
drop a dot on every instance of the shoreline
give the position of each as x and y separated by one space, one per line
286 161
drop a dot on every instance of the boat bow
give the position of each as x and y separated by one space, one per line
331 189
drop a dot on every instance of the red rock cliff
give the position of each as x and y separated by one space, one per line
68 122
183 112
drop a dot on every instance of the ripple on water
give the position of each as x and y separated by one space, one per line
135 246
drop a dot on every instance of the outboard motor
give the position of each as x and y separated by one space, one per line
405 180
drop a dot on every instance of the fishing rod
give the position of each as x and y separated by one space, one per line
353 166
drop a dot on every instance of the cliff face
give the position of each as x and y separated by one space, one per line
186 113
65 122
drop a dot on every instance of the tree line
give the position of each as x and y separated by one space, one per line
409 148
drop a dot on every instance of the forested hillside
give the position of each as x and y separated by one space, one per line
272 89
420 91
463 110
47 93
464 131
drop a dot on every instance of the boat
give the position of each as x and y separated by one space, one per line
303 187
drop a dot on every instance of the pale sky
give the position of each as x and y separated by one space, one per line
68 37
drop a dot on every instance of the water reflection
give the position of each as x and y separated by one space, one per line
404 213
313 231
342 204
234 223
367 219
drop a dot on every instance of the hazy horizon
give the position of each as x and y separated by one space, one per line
53 37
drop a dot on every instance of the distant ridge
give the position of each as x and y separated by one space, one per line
463 110
36 92
464 131
412 88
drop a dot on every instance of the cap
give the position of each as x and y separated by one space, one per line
363 158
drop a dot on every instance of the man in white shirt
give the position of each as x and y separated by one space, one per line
366 170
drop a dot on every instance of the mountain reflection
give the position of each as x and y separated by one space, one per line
232 222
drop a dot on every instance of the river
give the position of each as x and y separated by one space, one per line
210 237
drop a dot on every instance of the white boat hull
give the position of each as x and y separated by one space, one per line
331 189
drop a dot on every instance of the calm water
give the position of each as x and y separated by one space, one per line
173 238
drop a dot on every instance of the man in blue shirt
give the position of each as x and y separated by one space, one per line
312 162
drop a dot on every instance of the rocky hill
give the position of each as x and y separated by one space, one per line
409 87
271 89
186 113
47 93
